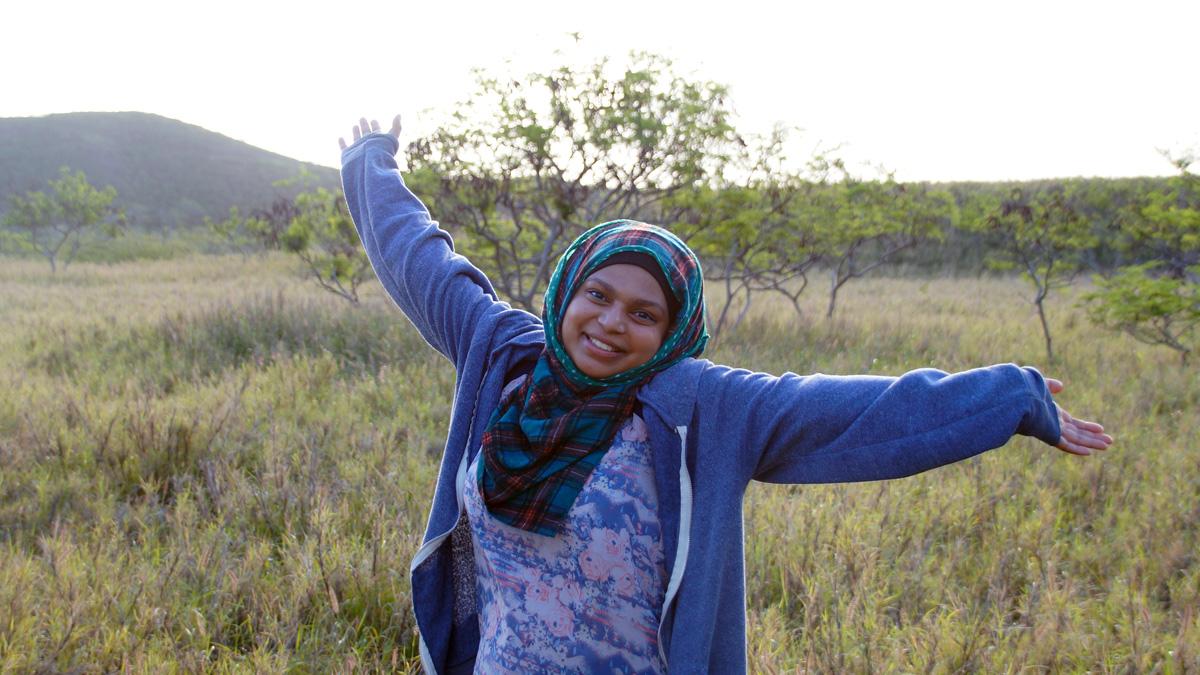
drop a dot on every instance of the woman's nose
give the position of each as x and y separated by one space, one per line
611 319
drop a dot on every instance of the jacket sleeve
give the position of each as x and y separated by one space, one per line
441 292
823 429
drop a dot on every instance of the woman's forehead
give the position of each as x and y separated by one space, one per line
629 281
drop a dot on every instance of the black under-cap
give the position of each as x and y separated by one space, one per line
648 263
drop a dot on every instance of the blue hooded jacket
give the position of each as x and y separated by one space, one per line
712 428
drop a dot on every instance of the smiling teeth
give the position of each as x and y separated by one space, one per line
600 344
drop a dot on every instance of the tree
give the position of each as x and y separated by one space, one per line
1110 206
1151 307
54 221
1169 223
322 234
315 226
747 231
1039 234
1158 301
528 163
861 225
767 231
239 232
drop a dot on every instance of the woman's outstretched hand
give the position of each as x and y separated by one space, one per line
364 127
1079 437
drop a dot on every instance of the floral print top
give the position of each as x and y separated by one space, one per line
589 599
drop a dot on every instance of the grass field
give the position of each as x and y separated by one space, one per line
208 465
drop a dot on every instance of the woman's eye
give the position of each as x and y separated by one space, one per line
594 294
645 317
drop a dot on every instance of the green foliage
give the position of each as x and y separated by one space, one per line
1169 222
1158 302
323 235
1110 207
1152 307
14 243
775 226
240 233
529 163
859 225
315 226
48 222
747 232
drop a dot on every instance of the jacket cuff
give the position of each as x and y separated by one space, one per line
1041 420
382 140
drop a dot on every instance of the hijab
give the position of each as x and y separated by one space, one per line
547 435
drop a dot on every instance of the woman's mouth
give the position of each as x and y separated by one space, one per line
602 346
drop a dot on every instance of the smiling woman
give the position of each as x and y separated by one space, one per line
588 512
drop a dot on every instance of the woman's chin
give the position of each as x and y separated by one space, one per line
595 366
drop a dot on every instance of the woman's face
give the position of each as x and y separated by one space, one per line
617 320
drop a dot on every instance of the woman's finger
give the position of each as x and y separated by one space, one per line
1067 442
1054 385
1070 442
1088 439
365 127
1092 429
1074 449
1089 426
1084 437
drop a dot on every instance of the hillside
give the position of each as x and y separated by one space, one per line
167 173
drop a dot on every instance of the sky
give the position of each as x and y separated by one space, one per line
940 91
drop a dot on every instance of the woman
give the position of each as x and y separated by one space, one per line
587 515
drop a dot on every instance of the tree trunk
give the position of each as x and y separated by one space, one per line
742 315
729 296
1045 327
833 291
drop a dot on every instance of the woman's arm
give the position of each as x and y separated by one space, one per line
821 429
446 297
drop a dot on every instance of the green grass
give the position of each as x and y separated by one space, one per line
132 245
207 465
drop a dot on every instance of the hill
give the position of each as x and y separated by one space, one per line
167 173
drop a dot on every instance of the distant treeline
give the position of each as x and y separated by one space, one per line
171 176
1104 202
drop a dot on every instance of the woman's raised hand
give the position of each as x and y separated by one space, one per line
364 127
1079 437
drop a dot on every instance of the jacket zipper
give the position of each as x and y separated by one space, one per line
685 528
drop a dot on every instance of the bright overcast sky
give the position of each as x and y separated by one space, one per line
964 90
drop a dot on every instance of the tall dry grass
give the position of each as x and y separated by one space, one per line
206 465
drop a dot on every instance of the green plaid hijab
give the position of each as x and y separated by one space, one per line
549 434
